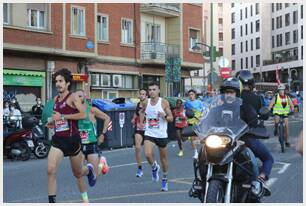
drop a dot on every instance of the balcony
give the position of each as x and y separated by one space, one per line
280 60
165 10
157 52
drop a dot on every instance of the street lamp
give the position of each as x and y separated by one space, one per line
196 47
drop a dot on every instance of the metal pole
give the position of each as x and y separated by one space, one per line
289 78
211 44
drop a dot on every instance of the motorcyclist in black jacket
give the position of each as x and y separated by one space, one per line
259 149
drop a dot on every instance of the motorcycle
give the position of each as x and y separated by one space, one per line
41 145
224 171
18 144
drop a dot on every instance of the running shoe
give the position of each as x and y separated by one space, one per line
91 175
103 164
155 176
139 173
180 153
164 184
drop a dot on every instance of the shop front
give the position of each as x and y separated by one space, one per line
25 85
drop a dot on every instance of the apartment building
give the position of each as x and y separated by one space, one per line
221 40
267 37
111 49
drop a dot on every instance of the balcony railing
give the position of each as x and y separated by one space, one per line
157 51
166 10
280 60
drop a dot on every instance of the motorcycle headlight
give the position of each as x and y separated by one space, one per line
215 141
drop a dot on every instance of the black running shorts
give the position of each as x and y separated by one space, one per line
70 146
160 142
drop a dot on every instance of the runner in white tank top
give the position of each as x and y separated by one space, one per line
156 126
158 114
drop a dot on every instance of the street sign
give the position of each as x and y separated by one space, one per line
225 72
223 62
90 44
121 119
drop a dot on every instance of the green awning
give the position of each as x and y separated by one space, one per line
23 78
23 73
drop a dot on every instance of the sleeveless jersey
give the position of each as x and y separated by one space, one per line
88 130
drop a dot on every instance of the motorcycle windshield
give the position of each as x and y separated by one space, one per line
222 117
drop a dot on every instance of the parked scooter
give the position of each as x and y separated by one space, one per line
42 145
18 144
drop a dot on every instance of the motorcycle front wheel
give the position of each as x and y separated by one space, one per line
215 192
25 151
41 149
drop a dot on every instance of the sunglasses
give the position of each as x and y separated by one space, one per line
230 91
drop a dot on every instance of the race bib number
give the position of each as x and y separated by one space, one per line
153 123
84 136
61 126
178 120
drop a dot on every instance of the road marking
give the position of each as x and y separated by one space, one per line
284 168
271 181
116 166
133 195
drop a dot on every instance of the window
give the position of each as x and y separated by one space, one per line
246 12
194 36
257 8
232 4
273 43
257 43
109 94
272 23
251 27
129 82
6 13
233 17
95 79
301 31
295 36
233 49
233 33
36 16
251 44
220 36
241 31
246 62
301 11
295 17
246 46
240 14
117 80
102 27
246 29
295 52
251 10
126 31
279 22
241 63
252 64
281 40
257 60
78 21
220 20
287 19
286 5
272 7
105 80
257 25
280 5
233 64
241 47
153 33
278 40
220 51
220 4
287 38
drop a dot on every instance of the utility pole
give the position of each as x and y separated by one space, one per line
211 44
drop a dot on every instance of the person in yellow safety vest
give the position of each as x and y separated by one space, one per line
282 105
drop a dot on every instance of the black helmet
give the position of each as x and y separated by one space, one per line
246 77
231 83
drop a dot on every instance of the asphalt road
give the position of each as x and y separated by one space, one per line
27 181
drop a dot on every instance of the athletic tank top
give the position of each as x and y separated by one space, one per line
88 131
65 128
137 120
156 126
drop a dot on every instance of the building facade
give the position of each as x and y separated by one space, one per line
111 49
199 79
267 37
